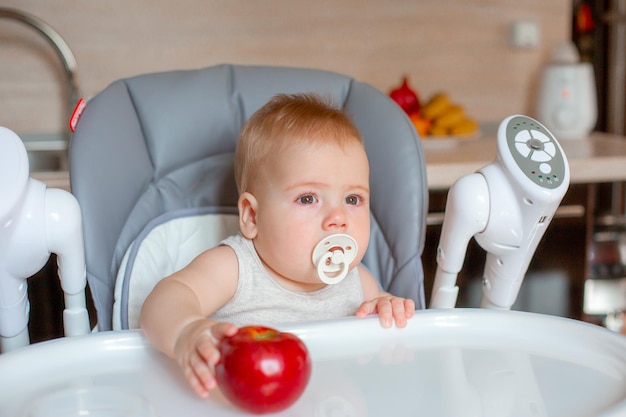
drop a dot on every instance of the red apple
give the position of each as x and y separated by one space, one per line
262 370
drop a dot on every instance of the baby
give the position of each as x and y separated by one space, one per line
303 180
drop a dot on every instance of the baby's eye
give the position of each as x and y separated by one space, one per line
353 200
307 199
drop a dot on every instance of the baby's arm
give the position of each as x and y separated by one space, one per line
389 307
174 315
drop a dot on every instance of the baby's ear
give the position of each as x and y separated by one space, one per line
247 215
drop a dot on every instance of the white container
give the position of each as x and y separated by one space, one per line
566 101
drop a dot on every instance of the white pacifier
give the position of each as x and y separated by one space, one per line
333 256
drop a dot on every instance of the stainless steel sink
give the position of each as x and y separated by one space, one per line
46 151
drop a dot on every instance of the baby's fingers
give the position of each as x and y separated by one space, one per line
409 308
389 309
385 312
382 306
223 329
206 345
403 310
366 308
199 375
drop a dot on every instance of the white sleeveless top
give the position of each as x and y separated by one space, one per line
260 300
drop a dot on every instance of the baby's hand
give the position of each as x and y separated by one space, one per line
389 309
196 352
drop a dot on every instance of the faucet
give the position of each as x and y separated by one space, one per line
63 51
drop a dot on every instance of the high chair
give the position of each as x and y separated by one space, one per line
151 164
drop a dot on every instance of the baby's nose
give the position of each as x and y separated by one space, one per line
336 219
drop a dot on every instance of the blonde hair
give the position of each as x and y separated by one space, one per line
284 119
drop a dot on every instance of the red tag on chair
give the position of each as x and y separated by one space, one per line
78 110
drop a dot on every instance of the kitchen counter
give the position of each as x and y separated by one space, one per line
599 158
53 179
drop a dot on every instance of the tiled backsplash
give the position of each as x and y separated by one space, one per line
461 47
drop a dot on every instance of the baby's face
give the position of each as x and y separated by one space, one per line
305 194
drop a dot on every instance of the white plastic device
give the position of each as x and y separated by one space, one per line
506 206
566 101
35 222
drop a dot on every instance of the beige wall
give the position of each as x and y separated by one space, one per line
458 46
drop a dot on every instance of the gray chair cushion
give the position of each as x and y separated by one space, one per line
161 142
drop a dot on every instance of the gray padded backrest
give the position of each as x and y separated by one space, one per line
159 142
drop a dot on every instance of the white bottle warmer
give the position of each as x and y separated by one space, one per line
567 103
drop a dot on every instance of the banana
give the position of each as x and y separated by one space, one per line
446 118
438 131
435 106
450 117
466 126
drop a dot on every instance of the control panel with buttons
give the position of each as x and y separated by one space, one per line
535 151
